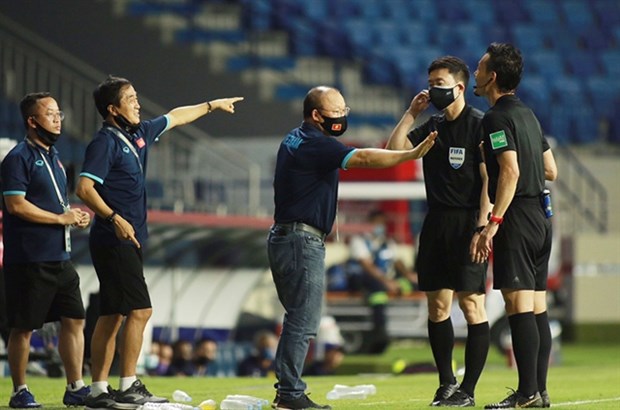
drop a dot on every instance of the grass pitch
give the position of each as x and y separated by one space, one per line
588 377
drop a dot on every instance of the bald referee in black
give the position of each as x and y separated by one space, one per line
519 160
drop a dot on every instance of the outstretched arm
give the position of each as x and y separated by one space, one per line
189 113
381 158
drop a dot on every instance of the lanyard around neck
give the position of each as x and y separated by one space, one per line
51 173
128 143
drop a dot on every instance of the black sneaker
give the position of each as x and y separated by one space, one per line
517 400
135 396
443 392
458 399
103 401
300 403
546 401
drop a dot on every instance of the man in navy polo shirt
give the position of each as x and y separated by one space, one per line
112 184
306 189
41 282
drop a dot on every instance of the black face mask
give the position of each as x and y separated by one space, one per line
335 126
47 137
202 361
441 97
126 125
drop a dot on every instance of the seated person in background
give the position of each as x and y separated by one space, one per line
164 359
261 362
205 352
182 364
332 359
374 265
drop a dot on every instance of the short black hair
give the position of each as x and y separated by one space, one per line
109 92
312 100
27 104
507 63
457 67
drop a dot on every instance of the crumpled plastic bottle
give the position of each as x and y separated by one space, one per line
341 391
181 396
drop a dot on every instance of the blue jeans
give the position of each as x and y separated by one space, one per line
297 261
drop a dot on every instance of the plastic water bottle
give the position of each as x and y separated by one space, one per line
369 389
546 199
256 402
181 396
361 391
208 405
232 404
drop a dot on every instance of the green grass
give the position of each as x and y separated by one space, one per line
588 377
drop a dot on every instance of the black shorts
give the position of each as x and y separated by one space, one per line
522 246
122 286
41 292
443 260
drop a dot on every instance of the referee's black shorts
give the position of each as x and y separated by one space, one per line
122 286
522 246
41 292
443 260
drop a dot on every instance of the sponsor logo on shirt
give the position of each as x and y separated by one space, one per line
126 150
456 157
39 163
498 139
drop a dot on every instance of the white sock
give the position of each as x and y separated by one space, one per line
97 388
19 388
126 382
76 385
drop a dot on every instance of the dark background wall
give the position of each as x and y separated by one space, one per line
170 75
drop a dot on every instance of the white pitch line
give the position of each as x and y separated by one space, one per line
577 403
377 403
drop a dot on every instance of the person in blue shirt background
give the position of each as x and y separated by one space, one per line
112 184
41 282
305 194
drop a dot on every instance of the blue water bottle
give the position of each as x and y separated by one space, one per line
546 203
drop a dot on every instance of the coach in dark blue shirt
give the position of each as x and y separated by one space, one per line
41 282
112 184
306 189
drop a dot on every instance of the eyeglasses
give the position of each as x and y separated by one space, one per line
52 115
339 113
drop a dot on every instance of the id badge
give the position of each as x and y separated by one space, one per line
67 232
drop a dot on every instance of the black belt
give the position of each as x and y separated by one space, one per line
283 229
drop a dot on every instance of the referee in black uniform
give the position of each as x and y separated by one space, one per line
454 178
518 161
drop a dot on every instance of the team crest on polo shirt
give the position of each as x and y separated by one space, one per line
456 157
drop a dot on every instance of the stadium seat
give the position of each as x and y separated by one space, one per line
529 38
510 12
549 64
533 91
542 11
607 13
603 94
256 14
610 60
480 12
577 13
582 64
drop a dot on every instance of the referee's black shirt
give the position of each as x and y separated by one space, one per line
451 167
510 125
